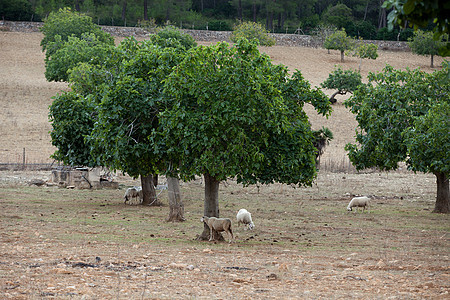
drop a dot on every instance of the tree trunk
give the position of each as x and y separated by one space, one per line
155 180
443 194
333 97
124 10
382 20
176 205
211 206
146 10
239 10
342 56
432 61
254 11
77 5
148 191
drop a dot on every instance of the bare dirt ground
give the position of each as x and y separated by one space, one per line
86 244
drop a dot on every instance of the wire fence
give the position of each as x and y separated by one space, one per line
26 159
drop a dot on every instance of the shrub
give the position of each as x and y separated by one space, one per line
252 31
218 25
363 29
168 33
16 10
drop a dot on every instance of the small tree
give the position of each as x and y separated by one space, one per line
364 50
403 116
322 138
322 32
344 81
252 31
339 41
423 43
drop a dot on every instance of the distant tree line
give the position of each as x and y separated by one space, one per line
365 19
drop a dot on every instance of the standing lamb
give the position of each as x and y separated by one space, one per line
219 225
244 217
359 202
133 192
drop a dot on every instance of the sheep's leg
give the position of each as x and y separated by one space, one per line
231 234
211 236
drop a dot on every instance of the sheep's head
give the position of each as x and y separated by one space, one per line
251 226
349 208
204 219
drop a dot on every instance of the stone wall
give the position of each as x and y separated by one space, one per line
291 40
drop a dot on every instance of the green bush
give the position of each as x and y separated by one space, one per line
169 33
385 35
252 31
218 25
362 29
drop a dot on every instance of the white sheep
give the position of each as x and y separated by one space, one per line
359 202
133 192
244 217
219 225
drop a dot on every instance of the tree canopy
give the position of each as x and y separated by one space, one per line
391 111
232 113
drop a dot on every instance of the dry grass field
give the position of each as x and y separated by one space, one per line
86 244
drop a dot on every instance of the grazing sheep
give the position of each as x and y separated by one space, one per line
133 192
244 217
219 225
359 202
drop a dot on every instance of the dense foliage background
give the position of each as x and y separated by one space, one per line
360 18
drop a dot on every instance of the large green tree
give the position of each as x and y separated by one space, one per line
398 121
125 91
235 114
